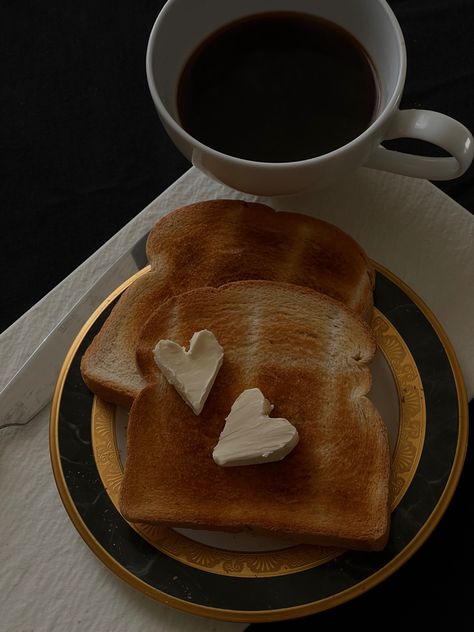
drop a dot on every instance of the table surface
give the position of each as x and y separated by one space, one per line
83 152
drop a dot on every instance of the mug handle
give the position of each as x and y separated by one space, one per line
435 128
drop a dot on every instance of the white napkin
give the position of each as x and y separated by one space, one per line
50 580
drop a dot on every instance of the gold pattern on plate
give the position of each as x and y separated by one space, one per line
405 460
412 421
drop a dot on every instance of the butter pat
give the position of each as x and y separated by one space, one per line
250 436
192 372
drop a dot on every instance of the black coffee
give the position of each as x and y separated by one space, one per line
277 87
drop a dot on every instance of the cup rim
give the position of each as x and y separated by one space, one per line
379 121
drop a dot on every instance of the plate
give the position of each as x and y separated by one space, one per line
419 392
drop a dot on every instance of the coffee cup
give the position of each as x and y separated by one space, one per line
183 25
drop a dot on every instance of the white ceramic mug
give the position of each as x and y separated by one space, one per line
183 24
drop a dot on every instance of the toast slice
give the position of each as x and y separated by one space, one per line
216 242
308 354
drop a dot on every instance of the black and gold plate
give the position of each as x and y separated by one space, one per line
419 391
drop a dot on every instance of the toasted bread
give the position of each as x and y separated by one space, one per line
308 354
213 243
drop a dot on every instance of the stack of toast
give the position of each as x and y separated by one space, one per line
289 298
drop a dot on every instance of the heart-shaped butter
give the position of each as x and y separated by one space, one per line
192 372
250 436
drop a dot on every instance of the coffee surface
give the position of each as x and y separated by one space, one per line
277 87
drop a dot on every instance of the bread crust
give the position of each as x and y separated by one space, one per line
309 356
212 243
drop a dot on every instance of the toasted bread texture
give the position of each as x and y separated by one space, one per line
309 356
213 243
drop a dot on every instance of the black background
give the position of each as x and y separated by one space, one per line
82 152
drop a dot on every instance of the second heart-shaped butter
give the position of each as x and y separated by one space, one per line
192 372
250 436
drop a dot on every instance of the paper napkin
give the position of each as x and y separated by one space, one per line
50 580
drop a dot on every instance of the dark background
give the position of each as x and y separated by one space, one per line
82 152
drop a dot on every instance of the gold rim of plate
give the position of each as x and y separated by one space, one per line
405 461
